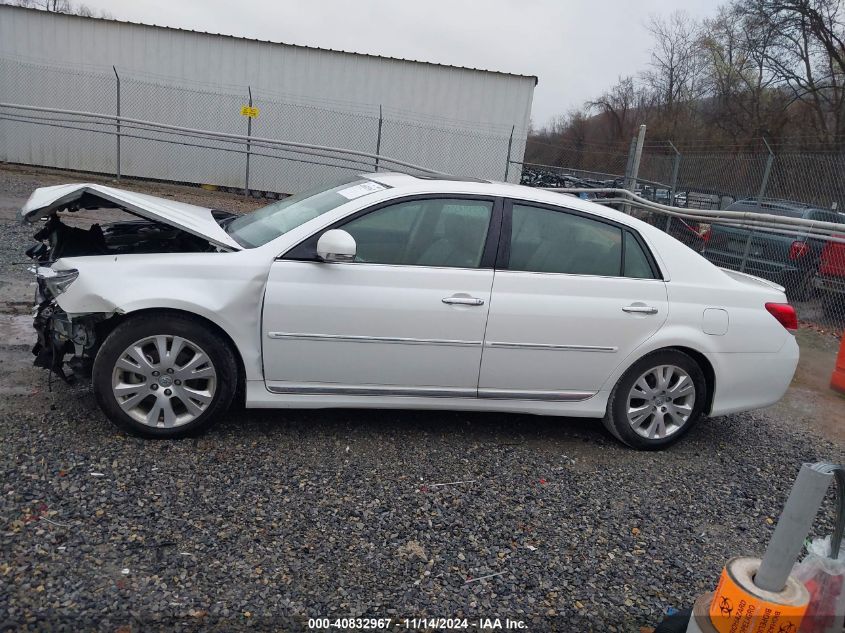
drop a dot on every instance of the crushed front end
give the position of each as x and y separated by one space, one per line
60 334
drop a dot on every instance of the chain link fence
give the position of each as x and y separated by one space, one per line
450 146
787 184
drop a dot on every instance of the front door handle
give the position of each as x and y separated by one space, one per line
640 309
463 300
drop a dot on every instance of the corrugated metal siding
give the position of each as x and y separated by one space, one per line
450 119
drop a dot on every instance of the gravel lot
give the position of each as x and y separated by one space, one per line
275 516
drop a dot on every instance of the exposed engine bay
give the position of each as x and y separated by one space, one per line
81 335
57 239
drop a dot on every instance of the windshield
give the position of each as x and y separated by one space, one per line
268 223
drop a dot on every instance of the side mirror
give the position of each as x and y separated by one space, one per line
336 246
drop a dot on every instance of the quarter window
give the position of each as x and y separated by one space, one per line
636 262
424 232
547 241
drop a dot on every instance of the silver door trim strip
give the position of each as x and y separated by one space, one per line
525 394
371 339
373 390
544 346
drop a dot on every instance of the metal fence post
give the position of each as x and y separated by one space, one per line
766 173
378 137
248 144
634 163
508 159
676 166
117 124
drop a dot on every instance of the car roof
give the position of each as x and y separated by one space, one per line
410 185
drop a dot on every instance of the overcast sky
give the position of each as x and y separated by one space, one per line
577 48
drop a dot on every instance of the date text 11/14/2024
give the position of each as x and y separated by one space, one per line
490 624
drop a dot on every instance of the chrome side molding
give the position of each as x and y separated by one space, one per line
328 389
372 390
542 346
371 339
526 394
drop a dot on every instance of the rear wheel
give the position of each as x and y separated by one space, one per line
656 401
164 376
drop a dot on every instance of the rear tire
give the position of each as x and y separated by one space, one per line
164 376
657 401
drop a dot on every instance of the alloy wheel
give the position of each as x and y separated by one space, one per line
660 402
164 381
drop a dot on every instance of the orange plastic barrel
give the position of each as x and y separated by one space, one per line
837 380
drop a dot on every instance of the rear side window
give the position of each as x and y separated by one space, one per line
547 241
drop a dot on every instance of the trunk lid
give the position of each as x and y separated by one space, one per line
751 280
193 219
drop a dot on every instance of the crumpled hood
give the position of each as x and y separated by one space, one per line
196 220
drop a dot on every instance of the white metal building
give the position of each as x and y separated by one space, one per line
452 119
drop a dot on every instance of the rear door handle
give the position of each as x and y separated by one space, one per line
640 309
463 301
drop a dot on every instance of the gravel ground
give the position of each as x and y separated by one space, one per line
278 515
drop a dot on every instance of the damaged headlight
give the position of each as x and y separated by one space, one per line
57 281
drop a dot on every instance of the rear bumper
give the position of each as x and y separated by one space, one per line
752 381
828 283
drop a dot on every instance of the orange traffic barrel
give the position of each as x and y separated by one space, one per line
837 380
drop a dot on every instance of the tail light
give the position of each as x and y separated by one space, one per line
833 258
798 249
785 314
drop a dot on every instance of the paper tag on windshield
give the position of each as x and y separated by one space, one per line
356 191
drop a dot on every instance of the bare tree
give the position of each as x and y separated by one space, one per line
58 6
676 60
620 106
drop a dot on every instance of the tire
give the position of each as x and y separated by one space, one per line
195 383
672 415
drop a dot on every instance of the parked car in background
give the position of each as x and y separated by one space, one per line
789 260
830 278
687 232
390 291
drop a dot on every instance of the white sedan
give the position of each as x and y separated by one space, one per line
392 291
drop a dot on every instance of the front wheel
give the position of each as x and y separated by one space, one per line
656 401
164 376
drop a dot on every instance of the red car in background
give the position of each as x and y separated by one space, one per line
830 277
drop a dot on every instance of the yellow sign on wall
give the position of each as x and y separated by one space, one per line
250 111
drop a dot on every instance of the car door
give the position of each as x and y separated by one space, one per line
573 296
405 318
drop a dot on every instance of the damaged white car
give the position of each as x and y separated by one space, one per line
394 291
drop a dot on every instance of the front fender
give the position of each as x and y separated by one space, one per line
225 288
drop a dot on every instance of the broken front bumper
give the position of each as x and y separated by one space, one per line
59 334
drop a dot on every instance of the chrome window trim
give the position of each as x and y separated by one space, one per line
544 346
303 336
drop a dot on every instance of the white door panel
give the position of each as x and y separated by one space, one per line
360 326
558 336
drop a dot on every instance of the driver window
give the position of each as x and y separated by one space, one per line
439 232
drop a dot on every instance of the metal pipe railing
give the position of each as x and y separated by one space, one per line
221 135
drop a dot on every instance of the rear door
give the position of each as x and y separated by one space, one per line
573 296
